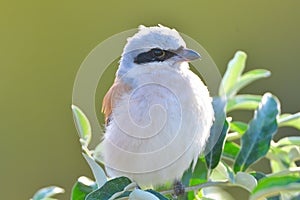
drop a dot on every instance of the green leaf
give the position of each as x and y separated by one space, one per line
215 193
82 188
293 152
83 126
245 180
293 171
295 197
292 140
98 153
138 194
96 169
248 78
213 157
234 70
200 171
270 186
290 120
220 173
230 173
243 102
186 177
231 150
255 143
47 192
258 176
283 158
276 197
218 132
109 189
195 176
185 180
239 127
279 159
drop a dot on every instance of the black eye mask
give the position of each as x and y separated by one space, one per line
154 55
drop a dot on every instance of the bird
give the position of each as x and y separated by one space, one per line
158 113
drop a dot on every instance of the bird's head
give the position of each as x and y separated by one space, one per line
155 46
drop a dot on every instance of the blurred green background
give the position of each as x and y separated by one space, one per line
42 44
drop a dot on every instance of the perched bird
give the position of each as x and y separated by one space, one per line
158 112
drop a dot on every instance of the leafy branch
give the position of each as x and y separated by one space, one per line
232 149
196 187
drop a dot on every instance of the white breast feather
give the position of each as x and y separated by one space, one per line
167 126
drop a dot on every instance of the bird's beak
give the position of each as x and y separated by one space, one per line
187 54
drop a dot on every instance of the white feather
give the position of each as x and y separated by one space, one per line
162 125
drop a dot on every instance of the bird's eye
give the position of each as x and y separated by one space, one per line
158 53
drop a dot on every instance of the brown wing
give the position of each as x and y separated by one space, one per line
113 95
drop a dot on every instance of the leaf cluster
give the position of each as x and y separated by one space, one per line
232 150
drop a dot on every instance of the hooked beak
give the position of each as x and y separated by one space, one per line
187 55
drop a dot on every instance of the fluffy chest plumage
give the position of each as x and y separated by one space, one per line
162 104
161 122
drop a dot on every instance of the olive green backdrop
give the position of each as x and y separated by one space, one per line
42 44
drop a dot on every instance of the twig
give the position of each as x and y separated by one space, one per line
285 172
233 136
196 187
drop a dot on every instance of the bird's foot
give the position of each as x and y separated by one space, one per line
179 188
138 187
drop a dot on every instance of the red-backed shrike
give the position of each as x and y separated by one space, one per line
158 112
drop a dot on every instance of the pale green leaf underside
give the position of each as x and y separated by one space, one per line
292 120
243 102
47 192
83 125
234 70
245 180
97 170
292 140
246 79
273 185
138 194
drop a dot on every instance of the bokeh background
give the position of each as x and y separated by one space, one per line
42 44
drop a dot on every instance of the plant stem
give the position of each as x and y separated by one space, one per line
196 187
233 136
285 172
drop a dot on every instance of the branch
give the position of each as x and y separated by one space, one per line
196 187
285 172
233 136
